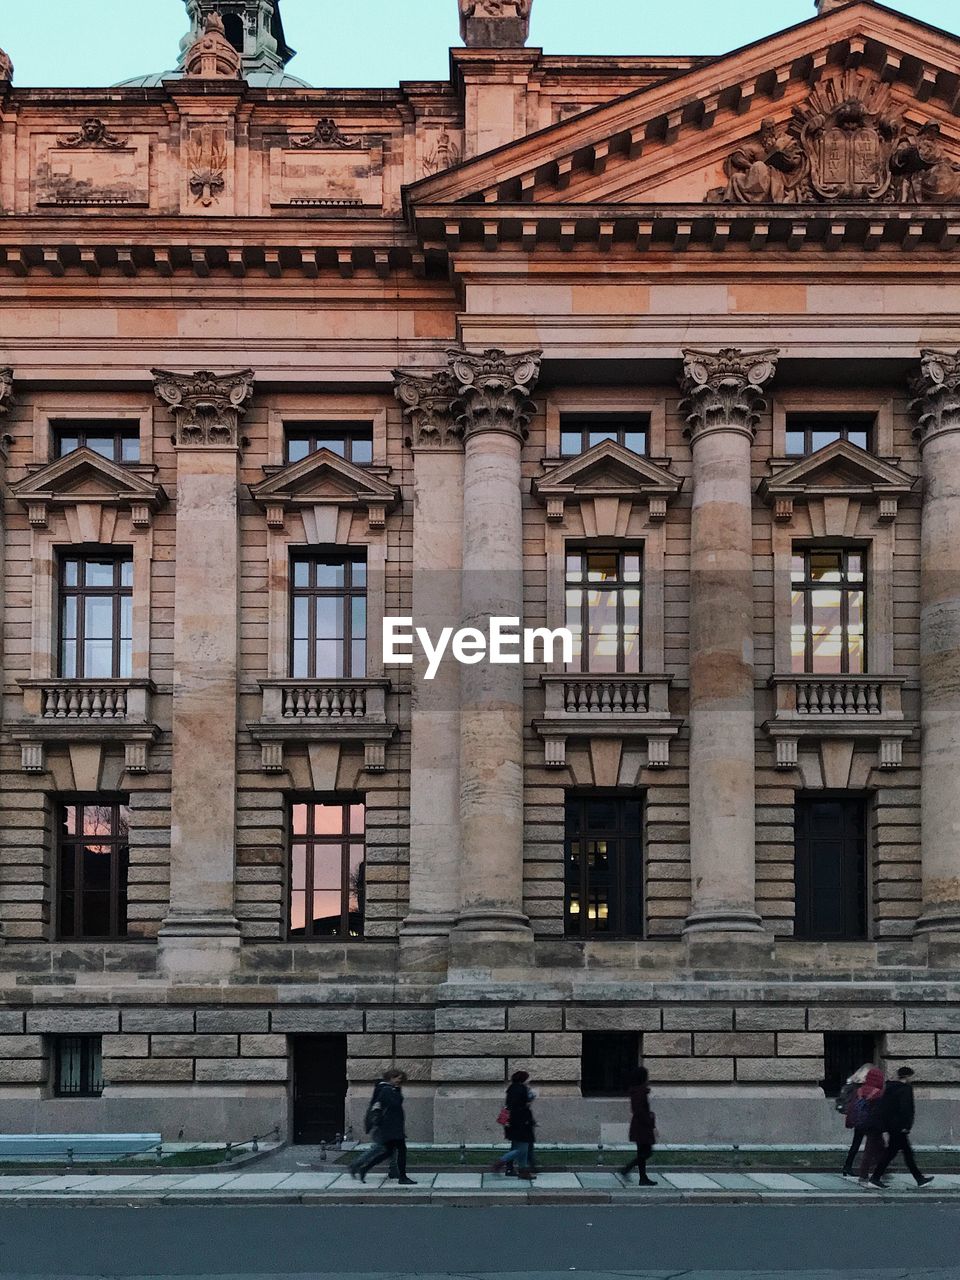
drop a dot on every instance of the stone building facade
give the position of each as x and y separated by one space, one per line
660 348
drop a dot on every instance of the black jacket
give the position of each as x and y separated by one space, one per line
897 1107
520 1128
390 1126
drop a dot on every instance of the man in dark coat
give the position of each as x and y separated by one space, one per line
643 1126
896 1116
390 1131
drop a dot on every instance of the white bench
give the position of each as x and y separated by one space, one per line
54 1147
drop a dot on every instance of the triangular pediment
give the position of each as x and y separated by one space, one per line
691 139
607 472
85 477
324 479
840 468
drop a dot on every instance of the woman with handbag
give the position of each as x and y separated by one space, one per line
643 1131
517 1119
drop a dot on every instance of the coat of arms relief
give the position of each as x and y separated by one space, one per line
848 143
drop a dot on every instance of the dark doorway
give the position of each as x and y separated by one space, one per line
607 1061
845 1052
319 1087
831 868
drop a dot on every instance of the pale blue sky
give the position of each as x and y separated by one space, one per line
376 43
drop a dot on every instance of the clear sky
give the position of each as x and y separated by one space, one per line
376 43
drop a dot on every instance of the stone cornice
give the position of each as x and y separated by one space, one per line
206 407
723 390
427 401
493 390
937 394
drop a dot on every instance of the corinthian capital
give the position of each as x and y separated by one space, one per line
207 407
6 388
937 393
723 390
493 390
427 401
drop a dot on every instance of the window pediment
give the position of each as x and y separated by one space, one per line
838 470
84 479
325 479
611 475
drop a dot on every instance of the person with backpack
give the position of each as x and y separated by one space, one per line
643 1126
897 1113
844 1099
387 1126
517 1119
865 1114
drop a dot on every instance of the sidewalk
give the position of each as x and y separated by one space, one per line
335 1186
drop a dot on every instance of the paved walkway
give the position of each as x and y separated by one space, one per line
336 1186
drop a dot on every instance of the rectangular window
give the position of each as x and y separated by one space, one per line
93 858
577 435
77 1067
327 867
830 868
352 441
845 1052
607 1060
806 433
603 610
328 630
96 617
118 442
827 635
603 866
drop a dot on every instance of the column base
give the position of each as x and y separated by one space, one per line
199 947
487 940
941 919
425 943
939 931
721 939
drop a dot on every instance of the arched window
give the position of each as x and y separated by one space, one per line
233 26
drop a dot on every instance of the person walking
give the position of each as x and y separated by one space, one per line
389 1132
520 1128
865 1112
370 1128
844 1099
897 1113
643 1126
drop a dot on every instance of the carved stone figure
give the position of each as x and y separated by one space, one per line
926 174
6 388
443 155
212 56
206 406
6 66
845 144
767 171
93 133
207 158
496 24
326 133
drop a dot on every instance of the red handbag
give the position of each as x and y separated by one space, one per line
503 1119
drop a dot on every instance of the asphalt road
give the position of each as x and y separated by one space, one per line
882 1241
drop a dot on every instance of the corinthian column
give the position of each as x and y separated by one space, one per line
493 409
938 413
435 704
200 935
723 399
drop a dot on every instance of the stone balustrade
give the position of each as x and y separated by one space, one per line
606 705
61 712
319 710
814 707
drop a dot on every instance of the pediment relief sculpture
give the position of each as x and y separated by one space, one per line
847 143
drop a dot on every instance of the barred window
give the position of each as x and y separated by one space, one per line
77 1066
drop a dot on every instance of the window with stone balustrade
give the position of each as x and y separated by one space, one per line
828 596
603 609
328 630
95 615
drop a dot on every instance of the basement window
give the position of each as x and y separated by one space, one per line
77 1066
845 1052
607 1060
